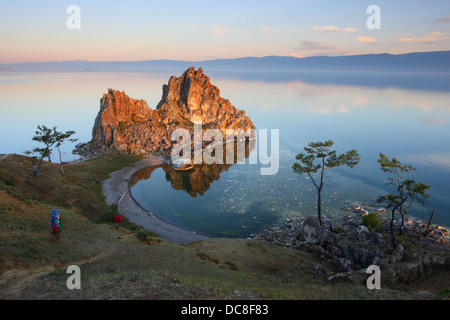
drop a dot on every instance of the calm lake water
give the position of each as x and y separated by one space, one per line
406 116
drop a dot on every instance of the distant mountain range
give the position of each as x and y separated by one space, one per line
436 61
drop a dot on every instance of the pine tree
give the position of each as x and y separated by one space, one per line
327 159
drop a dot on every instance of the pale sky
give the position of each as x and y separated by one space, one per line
202 30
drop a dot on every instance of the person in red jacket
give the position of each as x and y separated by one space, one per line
56 223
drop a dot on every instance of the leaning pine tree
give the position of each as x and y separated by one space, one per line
318 159
51 138
408 191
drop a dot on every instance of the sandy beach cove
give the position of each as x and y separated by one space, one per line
116 190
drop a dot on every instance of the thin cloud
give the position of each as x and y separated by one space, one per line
219 31
333 29
315 46
349 29
441 20
365 39
326 29
270 30
293 54
430 38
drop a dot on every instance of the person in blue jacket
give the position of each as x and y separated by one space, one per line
56 223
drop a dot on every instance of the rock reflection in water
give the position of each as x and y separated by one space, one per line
197 179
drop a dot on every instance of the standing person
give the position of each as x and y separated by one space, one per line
56 223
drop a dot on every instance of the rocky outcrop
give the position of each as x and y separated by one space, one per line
352 247
192 97
130 125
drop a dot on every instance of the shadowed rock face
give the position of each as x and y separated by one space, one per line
129 125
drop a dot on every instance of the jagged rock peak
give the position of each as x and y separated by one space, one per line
193 97
130 125
181 88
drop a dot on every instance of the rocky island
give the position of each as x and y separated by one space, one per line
130 125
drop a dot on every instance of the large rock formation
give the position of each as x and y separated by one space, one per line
192 97
129 125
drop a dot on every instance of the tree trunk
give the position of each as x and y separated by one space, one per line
402 226
392 228
319 195
429 222
39 167
319 202
34 167
60 161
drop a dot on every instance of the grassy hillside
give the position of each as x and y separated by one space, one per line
123 261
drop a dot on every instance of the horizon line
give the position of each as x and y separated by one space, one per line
218 59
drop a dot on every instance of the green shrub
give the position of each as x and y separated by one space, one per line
339 229
372 221
122 126
444 292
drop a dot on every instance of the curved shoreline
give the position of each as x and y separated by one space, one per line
116 190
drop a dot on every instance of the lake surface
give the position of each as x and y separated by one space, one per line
406 116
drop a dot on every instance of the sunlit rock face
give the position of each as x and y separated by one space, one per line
130 125
192 98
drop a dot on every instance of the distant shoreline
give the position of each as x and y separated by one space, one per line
411 61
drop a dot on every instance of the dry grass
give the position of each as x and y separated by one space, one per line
123 261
